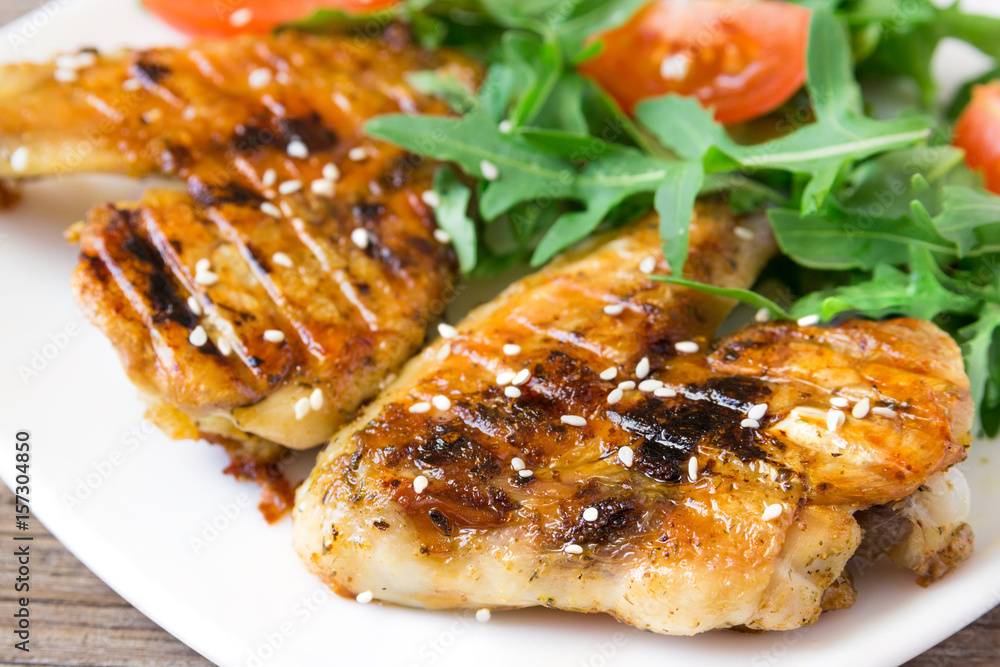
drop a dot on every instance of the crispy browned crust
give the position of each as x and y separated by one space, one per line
349 314
667 552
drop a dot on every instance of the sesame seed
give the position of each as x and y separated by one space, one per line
609 373
808 321
512 392
686 347
269 178
198 336
749 423
19 159
648 265
506 378
297 148
483 615
510 349
131 84
193 305
525 473
884 412
259 78
614 309
357 154
664 392
285 208
489 170
861 408
444 352
331 172
302 408
430 198
763 315
757 412
441 402
591 514
76 60
693 468
675 66
626 456
615 396
225 347
65 75
442 236
772 512
744 233
202 265
574 549
839 402
447 331
270 209
517 463
505 127
650 385
206 278
323 187
642 368
290 187
419 483
365 597
573 420
360 238
521 378
626 385
835 419
240 17
316 399
281 259
274 336
420 408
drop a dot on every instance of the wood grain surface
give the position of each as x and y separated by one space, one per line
77 620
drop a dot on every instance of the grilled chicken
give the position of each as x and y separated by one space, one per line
581 443
264 305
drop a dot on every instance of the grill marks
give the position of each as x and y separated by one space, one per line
466 451
162 295
192 112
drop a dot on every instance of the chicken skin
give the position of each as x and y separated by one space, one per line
301 266
581 443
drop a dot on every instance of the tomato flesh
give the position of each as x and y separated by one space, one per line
977 132
742 59
230 17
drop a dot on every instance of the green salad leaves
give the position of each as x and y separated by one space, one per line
875 213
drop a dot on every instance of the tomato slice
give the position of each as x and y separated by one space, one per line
977 132
742 58
230 17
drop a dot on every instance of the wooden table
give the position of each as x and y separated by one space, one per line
78 620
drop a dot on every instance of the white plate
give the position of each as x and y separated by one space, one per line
158 521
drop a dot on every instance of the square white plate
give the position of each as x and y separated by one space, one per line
158 521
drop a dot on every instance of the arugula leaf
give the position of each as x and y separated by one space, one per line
674 203
969 218
835 241
476 144
980 349
748 297
917 293
452 217
610 179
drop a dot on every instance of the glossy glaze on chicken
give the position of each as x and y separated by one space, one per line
582 443
301 266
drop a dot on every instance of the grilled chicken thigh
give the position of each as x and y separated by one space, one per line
581 443
301 267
